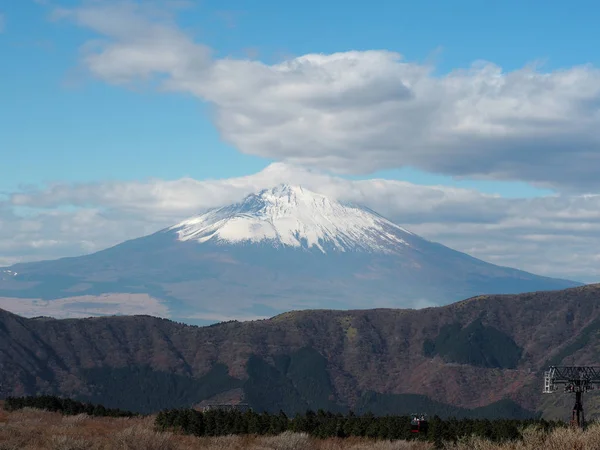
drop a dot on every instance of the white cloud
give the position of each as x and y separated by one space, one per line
554 235
170 200
149 43
360 111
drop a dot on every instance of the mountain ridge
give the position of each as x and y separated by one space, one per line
380 351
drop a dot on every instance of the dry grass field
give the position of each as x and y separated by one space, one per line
30 429
559 439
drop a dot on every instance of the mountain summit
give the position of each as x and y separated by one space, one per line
292 216
280 249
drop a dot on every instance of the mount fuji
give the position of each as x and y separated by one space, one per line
292 217
280 249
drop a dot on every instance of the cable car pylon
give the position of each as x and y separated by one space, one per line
575 379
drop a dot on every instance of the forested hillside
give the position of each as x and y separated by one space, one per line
480 357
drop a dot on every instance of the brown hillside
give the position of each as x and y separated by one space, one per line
379 350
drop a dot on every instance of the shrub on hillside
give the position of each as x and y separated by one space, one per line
63 405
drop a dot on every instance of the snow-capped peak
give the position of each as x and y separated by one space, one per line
293 216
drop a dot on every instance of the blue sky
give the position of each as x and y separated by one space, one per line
60 125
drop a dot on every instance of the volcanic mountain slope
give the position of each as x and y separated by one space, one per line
281 249
485 352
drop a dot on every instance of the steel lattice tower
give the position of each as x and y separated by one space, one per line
577 379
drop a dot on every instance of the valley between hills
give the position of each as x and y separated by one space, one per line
483 357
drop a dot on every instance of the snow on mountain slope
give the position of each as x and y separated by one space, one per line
281 249
293 216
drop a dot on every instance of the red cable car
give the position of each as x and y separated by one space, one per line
418 423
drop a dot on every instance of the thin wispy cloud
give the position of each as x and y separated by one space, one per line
554 235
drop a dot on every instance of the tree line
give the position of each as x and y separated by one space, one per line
320 424
323 424
64 406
